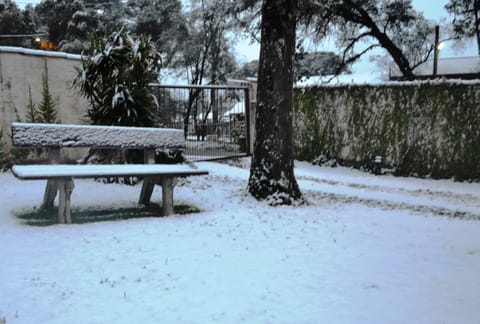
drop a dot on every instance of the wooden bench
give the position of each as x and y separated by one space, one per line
60 176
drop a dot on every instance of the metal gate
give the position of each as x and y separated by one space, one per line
213 118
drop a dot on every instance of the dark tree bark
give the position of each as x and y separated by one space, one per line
271 174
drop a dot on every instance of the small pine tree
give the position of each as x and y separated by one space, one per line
47 109
18 118
4 155
19 153
33 115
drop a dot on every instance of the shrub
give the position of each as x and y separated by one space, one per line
115 77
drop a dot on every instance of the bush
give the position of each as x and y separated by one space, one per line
115 77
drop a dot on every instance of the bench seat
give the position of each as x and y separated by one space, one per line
55 171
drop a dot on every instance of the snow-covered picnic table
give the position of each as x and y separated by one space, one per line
60 176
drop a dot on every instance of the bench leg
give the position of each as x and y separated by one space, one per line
146 193
50 194
65 188
168 183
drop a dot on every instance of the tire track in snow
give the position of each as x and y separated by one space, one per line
453 197
322 197
318 198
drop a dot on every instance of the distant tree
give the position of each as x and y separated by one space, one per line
317 64
112 15
206 52
271 173
71 23
246 70
466 18
393 25
28 19
115 78
163 21
306 65
54 16
13 22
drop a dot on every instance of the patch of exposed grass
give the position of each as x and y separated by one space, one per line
42 217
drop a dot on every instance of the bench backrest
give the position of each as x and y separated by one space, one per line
104 137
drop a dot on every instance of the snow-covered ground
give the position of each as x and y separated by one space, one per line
366 249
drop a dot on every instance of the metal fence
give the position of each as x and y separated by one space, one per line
213 118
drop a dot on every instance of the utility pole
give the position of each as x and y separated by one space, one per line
436 50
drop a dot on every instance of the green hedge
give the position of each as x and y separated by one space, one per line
419 128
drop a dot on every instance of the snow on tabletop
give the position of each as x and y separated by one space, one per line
101 170
366 249
58 135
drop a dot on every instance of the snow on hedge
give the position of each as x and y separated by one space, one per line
54 136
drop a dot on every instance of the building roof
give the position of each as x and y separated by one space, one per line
452 67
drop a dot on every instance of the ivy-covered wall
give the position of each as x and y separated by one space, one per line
419 128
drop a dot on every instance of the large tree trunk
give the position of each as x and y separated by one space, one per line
271 173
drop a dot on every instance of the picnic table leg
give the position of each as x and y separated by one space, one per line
50 194
65 188
148 182
146 193
168 183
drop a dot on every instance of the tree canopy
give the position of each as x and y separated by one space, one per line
466 19
185 32
362 25
14 21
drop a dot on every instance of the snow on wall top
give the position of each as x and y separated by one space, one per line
28 51
56 136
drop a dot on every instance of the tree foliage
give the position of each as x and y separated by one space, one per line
54 17
71 23
115 78
206 52
163 20
14 21
362 25
466 18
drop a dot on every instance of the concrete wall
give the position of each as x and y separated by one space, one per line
23 68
